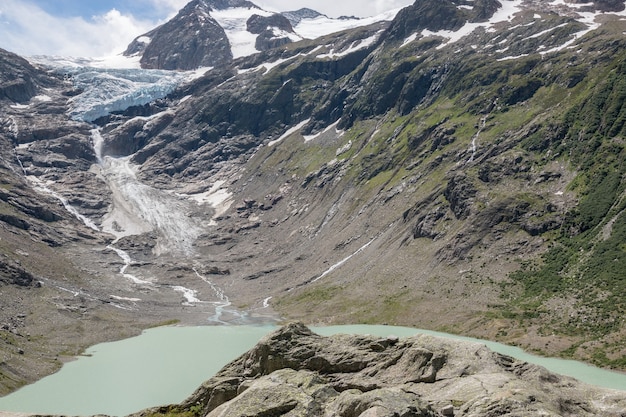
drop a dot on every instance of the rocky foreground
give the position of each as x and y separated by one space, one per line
295 372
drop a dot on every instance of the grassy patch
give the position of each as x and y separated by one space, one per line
310 297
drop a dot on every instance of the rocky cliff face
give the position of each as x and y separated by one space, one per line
295 372
19 80
272 31
297 16
190 40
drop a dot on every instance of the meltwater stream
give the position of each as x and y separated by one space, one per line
139 208
165 365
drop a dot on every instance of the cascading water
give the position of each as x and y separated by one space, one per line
138 208
221 306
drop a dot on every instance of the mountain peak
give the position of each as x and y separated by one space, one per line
192 39
296 16
436 15
211 33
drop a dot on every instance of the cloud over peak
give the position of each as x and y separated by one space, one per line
27 29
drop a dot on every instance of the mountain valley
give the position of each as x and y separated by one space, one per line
457 166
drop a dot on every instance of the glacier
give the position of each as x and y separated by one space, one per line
104 90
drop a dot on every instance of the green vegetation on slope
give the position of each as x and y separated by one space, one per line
587 260
418 120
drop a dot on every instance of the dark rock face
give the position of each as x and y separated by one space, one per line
258 24
134 135
296 16
202 42
436 15
12 273
603 5
265 27
18 79
459 192
298 372
26 203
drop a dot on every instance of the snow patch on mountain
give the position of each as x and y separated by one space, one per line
234 22
279 33
267 66
338 133
243 43
544 32
323 25
506 13
218 197
289 132
356 46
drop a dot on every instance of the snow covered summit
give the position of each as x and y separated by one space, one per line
211 33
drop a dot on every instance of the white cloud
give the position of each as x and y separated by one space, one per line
384 5
28 30
167 8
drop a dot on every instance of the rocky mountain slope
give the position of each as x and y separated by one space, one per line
460 170
296 372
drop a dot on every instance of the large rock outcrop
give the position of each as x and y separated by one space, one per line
18 79
201 42
436 15
295 372
273 31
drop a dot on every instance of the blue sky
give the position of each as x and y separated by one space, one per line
141 9
105 27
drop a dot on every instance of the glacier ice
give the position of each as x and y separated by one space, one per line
104 91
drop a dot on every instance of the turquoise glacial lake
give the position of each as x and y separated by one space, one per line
165 365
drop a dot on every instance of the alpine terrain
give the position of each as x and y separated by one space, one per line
457 165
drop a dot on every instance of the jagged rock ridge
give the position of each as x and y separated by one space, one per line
202 43
441 15
19 81
193 38
296 16
296 372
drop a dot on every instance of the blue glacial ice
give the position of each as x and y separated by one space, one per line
105 91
